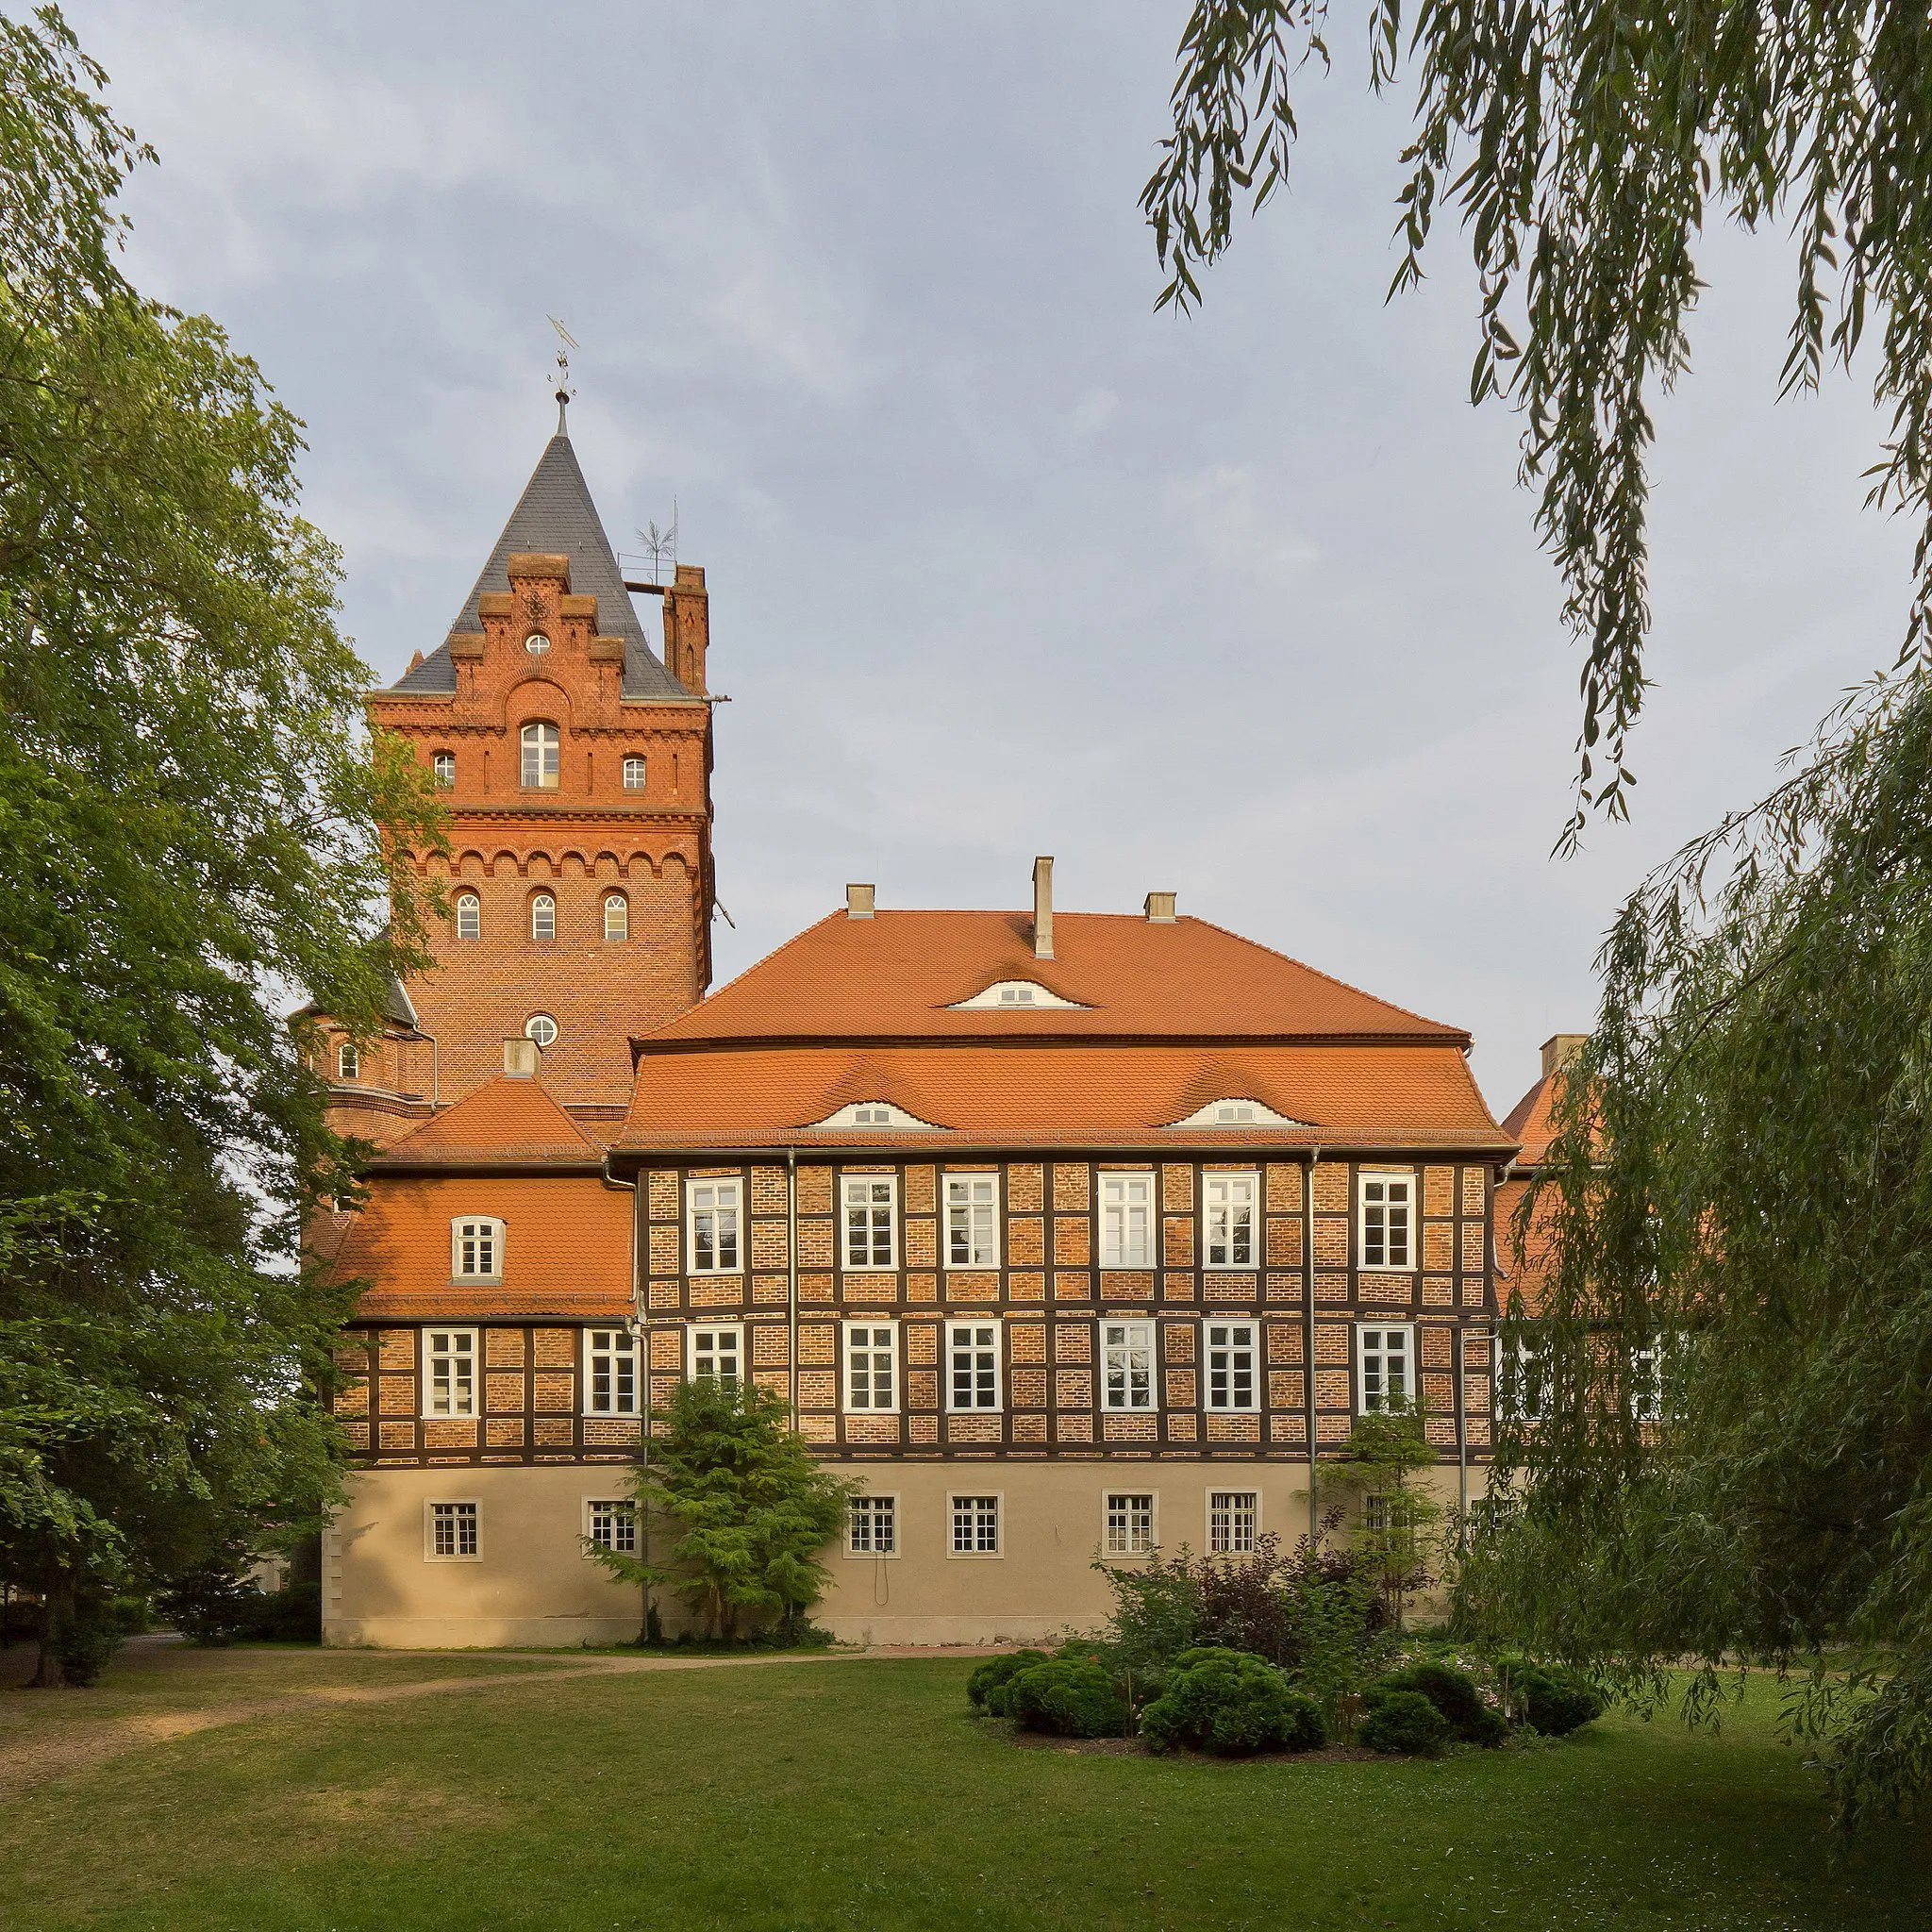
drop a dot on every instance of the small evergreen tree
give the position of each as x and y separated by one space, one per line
753 1509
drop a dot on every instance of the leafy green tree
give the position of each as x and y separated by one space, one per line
751 1508
188 836
1732 1451
1399 1535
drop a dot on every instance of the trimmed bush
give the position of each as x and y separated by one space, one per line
1403 1723
986 1688
1454 1694
1230 1702
1070 1700
1557 1703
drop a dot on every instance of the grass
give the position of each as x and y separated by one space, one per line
858 1793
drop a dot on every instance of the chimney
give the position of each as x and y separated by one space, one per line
686 627
520 1059
1559 1049
858 901
1042 909
1160 908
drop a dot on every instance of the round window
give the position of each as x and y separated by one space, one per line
536 643
542 1029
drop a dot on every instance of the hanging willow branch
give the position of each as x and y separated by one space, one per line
1584 146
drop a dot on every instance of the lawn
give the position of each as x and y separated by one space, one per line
859 1793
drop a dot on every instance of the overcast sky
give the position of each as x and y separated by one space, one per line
1246 605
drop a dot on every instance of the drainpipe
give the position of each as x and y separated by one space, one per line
1309 1343
1461 1444
792 1273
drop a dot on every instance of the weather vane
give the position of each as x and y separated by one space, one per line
565 343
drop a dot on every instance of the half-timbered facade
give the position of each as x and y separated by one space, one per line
1066 1237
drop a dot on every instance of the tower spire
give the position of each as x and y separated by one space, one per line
565 343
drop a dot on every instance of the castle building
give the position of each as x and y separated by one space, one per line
1067 1237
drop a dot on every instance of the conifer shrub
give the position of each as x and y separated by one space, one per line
87 1641
1547 1697
1453 1692
1067 1699
1230 1702
1402 1722
986 1688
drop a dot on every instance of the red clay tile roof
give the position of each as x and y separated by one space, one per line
504 1119
1064 1093
896 976
1532 1122
566 1247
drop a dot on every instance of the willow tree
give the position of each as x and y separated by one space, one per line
188 831
1737 1450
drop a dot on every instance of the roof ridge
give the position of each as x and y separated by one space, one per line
440 1119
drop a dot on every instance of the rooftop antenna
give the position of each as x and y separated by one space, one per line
565 343
658 544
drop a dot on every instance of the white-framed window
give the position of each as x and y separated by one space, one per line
611 1523
872 1114
475 1248
611 1372
616 917
1652 1398
1234 1518
542 757
348 1062
542 1029
972 1221
718 1351
1128 1525
1231 1351
1385 1367
1126 1221
543 917
1228 1202
469 916
872 1526
444 766
452 1532
972 1365
1522 1375
870 1222
1388 1220
634 771
872 1367
711 1211
449 1372
975 1526
1126 1356
536 643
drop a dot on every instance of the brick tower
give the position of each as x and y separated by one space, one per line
576 770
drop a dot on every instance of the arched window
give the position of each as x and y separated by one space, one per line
543 917
469 916
348 1062
542 757
542 1029
633 775
444 766
616 916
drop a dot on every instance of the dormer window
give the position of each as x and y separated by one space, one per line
1237 1110
878 1116
543 758
476 1249
1022 995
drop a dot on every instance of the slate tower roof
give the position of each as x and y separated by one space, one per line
555 516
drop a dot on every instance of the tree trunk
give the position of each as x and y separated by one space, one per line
57 1612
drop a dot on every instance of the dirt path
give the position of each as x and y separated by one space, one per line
34 1760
